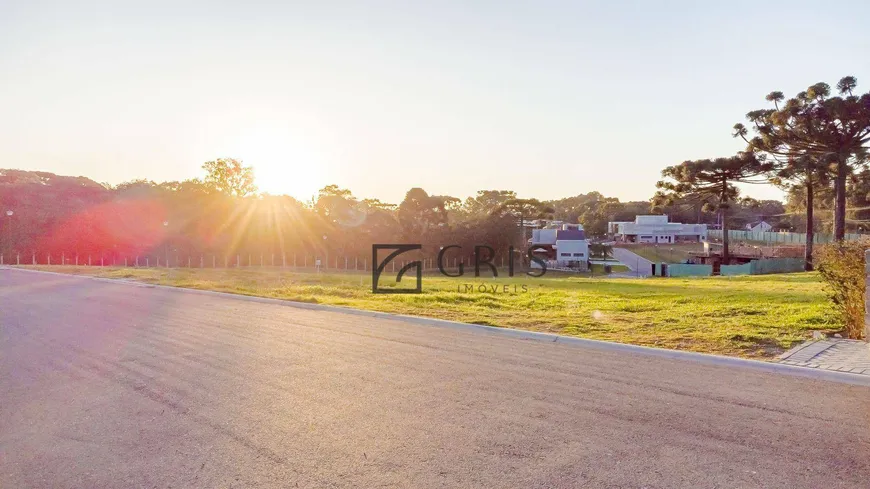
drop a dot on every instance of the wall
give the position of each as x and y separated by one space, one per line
544 236
682 270
776 265
671 228
763 267
653 220
572 247
729 270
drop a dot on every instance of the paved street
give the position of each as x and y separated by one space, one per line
116 385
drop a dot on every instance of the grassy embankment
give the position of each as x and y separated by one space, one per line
752 316
666 253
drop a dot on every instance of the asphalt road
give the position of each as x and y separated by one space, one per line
115 385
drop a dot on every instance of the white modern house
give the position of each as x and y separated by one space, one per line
656 229
562 246
759 227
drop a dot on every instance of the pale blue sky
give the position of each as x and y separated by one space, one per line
550 99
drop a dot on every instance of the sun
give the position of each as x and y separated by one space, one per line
282 162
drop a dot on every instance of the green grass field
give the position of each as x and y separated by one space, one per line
751 316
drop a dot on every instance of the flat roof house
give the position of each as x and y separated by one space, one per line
561 247
759 227
656 229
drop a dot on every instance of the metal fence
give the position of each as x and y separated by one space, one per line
239 261
784 238
196 260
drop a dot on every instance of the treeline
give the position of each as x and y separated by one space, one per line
811 144
857 205
223 215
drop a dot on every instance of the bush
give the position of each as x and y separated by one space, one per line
599 250
842 267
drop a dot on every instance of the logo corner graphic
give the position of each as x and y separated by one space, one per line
378 268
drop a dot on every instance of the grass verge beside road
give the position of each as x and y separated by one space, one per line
751 316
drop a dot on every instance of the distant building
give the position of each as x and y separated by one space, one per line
561 247
759 227
656 229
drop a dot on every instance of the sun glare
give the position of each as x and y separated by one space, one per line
283 164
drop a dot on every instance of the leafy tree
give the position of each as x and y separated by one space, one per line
380 224
858 200
596 215
686 209
487 201
592 210
523 210
570 209
450 203
228 176
711 181
377 204
337 205
815 124
420 212
600 250
809 173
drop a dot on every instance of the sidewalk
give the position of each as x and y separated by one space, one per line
830 354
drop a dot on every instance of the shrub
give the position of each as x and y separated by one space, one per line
842 267
600 250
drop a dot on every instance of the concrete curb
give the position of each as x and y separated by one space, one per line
704 358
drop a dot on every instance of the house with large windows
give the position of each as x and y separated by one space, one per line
656 229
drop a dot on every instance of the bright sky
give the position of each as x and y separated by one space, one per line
550 99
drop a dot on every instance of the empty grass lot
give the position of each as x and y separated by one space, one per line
752 316
666 253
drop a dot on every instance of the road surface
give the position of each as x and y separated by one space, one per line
115 385
638 265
